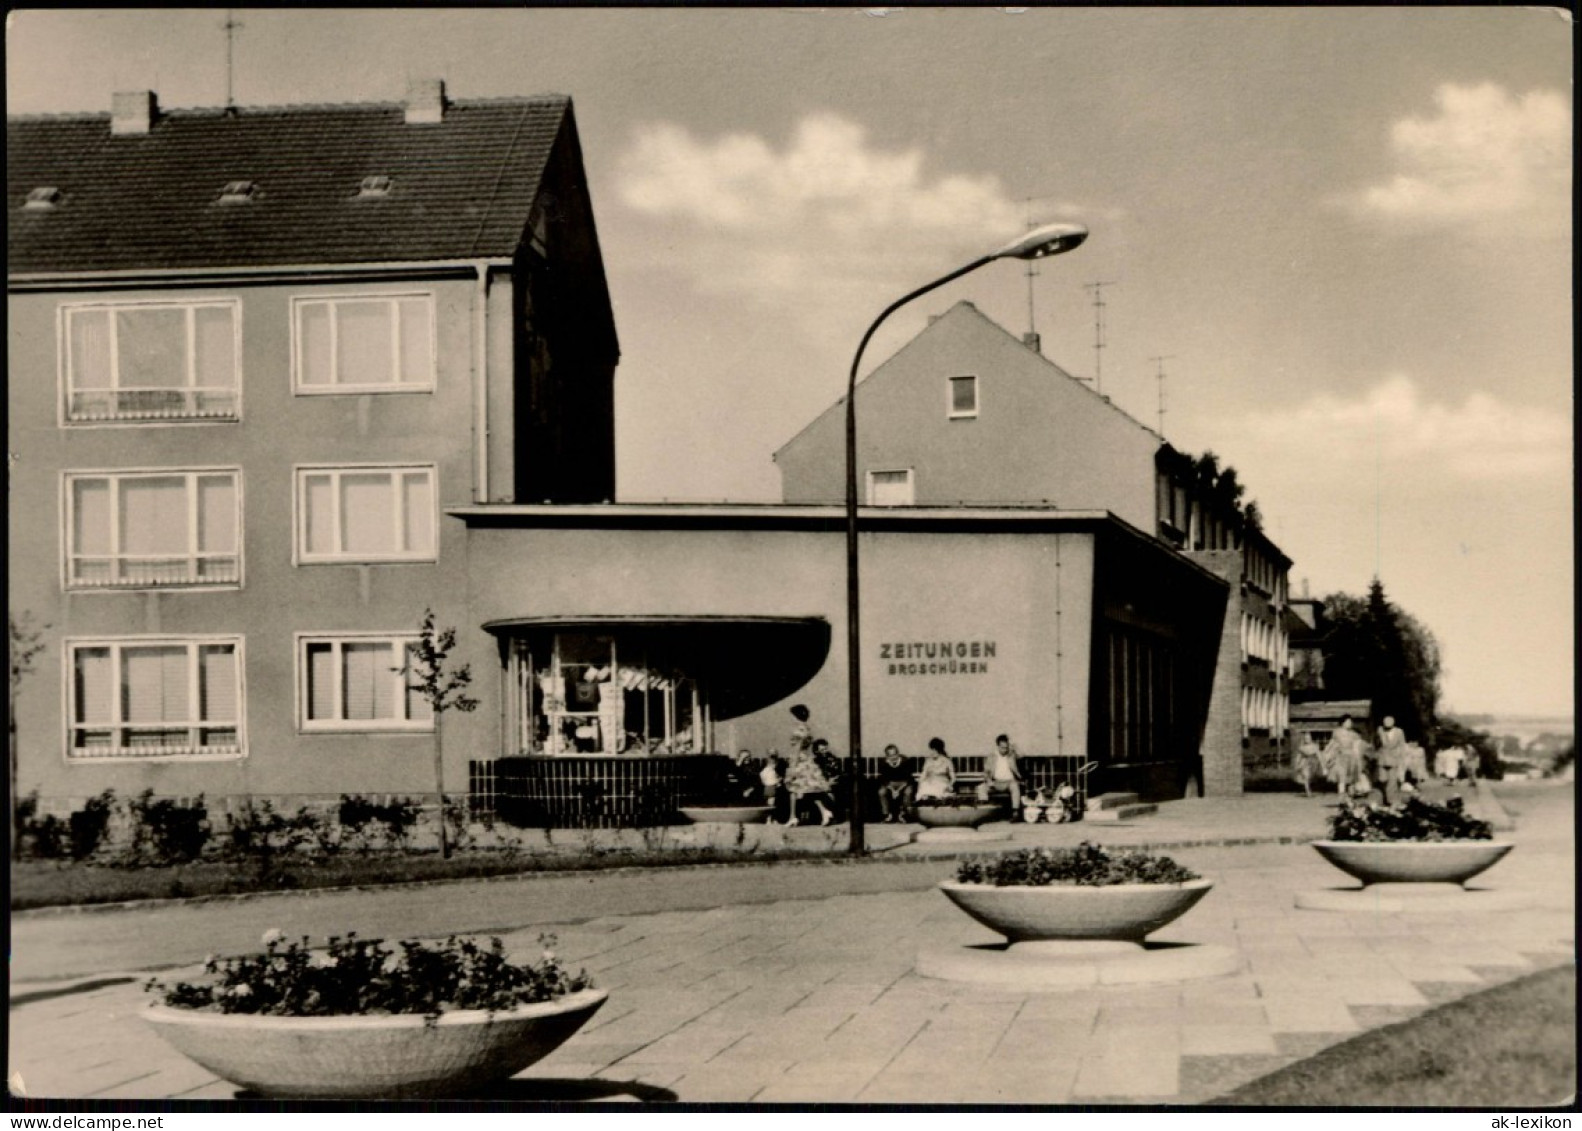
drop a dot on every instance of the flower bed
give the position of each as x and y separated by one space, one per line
1415 820
1087 864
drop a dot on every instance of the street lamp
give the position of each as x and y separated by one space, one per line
1051 239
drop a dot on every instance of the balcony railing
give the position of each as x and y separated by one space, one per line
202 403
139 571
96 742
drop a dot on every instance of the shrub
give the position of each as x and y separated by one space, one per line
167 831
356 976
46 837
90 823
361 819
1415 820
1090 865
259 832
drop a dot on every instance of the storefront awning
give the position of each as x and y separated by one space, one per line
748 662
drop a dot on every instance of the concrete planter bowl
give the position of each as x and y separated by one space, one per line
1060 912
386 1056
1412 861
725 814
955 816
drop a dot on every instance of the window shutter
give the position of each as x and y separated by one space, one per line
367 513
367 679
95 686
154 515
417 501
363 343
217 514
91 523
217 683
215 363
318 501
321 681
417 352
313 343
417 705
154 684
90 349
152 344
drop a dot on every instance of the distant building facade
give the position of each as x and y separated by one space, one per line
967 414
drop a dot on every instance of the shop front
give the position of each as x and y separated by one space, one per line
606 717
631 639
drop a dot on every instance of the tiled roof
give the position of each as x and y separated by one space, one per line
461 188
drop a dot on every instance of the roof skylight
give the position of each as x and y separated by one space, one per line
43 198
239 192
375 186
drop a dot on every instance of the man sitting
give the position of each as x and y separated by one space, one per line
1004 775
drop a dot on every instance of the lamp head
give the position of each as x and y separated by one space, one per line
1051 239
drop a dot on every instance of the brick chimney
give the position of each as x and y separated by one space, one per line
1033 342
425 101
133 111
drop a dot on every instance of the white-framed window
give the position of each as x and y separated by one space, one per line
963 398
152 362
372 513
891 488
170 528
372 343
357 682
150 697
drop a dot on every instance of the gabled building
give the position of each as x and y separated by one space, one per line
254 357
967 414
283 378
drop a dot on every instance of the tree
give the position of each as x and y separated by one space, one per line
1373 650
26 642
444 688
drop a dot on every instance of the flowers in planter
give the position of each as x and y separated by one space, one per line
365 976
1413 820
954 801
1088 864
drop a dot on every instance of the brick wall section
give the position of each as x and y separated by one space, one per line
1222 753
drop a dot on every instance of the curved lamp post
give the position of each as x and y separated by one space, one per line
1051 239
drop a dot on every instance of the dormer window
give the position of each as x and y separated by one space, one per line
375 187
43 198
240 192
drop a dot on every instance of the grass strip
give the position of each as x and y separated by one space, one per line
1511 1046
38 884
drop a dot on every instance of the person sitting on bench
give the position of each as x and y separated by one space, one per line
1004 775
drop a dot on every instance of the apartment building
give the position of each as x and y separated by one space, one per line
254 356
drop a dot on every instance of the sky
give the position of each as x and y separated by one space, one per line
1347 232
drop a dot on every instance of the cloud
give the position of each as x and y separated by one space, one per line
1482 440
828 214
1484 154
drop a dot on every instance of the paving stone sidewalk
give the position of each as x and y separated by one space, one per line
816 1000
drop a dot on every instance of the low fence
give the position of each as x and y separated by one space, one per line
612 793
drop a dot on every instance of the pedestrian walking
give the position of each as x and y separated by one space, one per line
1307 764
1391 760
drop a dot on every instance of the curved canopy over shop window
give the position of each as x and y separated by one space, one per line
748 662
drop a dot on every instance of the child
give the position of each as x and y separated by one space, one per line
1066 803
769 778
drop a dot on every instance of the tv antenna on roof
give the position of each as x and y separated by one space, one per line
1160 362
231 25
1031 340
1098 330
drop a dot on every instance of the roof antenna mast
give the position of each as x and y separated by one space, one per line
231 25
1098 330
1160 362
